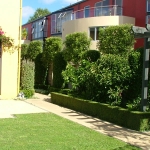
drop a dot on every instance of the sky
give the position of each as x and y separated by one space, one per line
29 6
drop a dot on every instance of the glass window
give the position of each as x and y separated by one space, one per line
58 19
118 2
98 9
86 11
94 33
148 19
148 5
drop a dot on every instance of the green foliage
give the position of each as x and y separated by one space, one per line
38 13
28 93
104 81
116 40
75 45
134 120
35 48
27 77
51 47
40 71
24 49
91 55
24 33
59 64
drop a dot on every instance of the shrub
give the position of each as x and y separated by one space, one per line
24 48
59 64
27 77
75 45
104 81
51 47
40 71
91 55
116 40
35 48
134 120
28 93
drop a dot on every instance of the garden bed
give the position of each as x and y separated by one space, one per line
135 120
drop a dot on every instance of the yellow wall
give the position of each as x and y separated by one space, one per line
82 25
9 21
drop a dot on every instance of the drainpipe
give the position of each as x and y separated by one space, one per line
19 50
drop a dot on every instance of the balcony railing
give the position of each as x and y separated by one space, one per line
111 10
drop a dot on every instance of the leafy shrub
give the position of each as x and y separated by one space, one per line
75 45
59 64
35 48
40 71
24 48
51 47
91 55
27 77
116 40
28 93
104 81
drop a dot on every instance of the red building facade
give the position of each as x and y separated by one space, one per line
86 9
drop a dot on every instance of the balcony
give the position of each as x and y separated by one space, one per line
59 18
111 10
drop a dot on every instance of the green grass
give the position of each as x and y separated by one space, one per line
50 132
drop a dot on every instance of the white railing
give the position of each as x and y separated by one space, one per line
111 10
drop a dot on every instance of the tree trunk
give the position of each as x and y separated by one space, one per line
50 74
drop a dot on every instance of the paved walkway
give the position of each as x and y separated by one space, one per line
42 105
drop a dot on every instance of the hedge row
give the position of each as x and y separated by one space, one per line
134 120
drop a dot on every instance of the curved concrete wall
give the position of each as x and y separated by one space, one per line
82 25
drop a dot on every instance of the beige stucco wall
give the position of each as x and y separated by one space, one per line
9 21
82 25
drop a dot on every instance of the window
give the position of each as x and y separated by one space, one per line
148 5
86 11
94 33
58 19
118 7
148 19
102 8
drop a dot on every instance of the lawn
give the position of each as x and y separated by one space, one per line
50 132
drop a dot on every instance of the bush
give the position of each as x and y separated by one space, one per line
116 40
40 71
91 55
59 64
27 77
104 81
35 48
134 120
24 48
75 45
28 93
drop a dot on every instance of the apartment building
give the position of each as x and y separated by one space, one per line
87 16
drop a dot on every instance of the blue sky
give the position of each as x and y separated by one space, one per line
29 6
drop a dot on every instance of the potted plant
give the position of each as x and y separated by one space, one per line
24 33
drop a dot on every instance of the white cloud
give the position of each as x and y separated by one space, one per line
47 1
27 11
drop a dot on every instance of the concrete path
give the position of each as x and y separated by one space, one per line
139 139
42 105
10 107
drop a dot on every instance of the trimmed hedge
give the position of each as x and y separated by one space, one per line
134 120
27 78
59 64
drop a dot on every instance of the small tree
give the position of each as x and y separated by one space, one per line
116 40
75 45
52 46
35 48
24 49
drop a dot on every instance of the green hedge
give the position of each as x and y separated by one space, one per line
134 120
27 78
59 64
